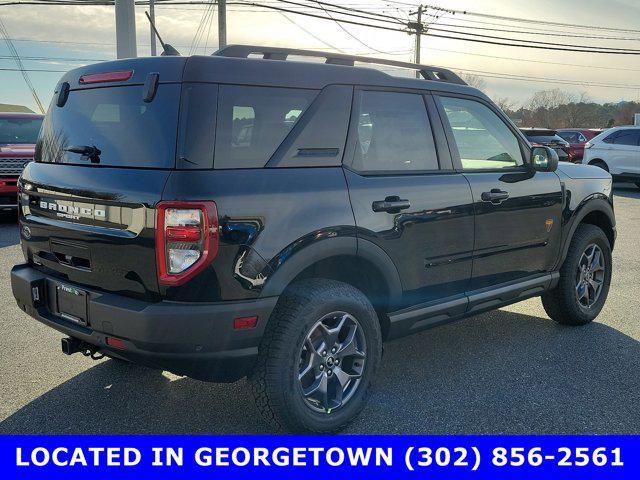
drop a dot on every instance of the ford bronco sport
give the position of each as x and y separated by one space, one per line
231 216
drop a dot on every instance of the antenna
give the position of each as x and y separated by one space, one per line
166 48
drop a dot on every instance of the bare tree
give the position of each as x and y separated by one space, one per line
474 81
506 104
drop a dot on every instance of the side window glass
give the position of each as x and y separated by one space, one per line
253 121
393 133
484 141
627 137
582 138
611 138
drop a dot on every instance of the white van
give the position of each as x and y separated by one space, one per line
617 150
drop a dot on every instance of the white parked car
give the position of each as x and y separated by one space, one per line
617 150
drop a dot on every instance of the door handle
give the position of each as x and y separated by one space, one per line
494 196
393 204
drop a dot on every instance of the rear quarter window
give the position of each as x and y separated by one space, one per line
253 121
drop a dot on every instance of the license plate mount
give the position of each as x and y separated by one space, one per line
71 303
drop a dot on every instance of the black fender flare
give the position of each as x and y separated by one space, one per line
586 207
293 265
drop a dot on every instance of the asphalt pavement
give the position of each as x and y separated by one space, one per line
508 371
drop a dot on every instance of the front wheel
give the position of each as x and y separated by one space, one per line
318 357
585 278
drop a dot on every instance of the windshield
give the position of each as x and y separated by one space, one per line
19 130
112 126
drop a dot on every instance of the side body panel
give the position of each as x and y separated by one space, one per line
521 236
267 217
431 243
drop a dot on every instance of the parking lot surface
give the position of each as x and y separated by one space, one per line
508 371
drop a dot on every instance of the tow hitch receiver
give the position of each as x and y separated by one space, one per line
72 345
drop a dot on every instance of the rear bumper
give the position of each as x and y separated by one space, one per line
197 340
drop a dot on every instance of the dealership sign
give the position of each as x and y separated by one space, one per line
280 457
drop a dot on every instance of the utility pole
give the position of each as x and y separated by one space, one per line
126 29
152 14
418 28
222 23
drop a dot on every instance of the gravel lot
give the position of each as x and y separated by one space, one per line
509 371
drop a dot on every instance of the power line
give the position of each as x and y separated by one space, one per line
536 21
492 37
62 59
547 34
30 70
347 11
451 35
311 34
14 53
563 64
349 33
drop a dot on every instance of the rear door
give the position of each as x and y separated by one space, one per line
625 151
88 201
406 197
517 211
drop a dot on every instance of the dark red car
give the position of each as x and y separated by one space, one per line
18 134
577 137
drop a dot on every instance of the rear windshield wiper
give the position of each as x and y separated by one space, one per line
91 152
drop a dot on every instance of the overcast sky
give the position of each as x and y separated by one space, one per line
88 34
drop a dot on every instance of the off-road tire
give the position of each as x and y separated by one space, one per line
561 303
275 382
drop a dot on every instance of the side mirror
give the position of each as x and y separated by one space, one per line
544 159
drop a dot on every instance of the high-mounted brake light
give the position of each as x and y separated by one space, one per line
121 76
186 239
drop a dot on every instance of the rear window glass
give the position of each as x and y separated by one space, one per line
124 130
253 121
19 130
545 139
571 137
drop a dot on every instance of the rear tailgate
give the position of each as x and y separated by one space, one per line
102 160
93 227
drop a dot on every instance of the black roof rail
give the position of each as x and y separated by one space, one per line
279 53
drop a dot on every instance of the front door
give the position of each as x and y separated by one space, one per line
517 211
406 197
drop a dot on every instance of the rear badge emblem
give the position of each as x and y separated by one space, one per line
26 232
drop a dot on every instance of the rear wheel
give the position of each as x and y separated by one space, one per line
600 164
585 277
318 357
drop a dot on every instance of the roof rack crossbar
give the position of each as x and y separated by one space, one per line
278 53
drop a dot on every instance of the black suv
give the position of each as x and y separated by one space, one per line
230 216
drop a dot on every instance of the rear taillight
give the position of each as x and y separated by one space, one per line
186 239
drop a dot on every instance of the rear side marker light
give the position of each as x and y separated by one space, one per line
186 240
244 323
121 76
116 343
